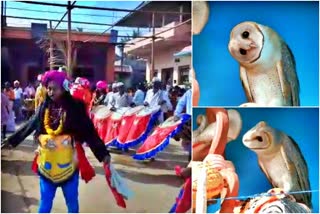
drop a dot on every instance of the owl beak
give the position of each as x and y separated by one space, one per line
252 45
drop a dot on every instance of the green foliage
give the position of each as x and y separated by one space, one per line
134 34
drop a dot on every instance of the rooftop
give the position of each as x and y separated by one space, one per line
25 33
144 20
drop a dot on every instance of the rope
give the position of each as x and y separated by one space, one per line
264 195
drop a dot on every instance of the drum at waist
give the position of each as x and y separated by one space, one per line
134 110
148 110
101 112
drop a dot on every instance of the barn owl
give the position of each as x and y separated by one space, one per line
281 160
267 66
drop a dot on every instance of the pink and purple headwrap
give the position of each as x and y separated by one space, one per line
58 77
101 85
82 81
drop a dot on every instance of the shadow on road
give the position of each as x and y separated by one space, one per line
157 164
168 179
15 167
13 203
146 178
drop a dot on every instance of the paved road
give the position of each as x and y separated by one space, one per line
154 184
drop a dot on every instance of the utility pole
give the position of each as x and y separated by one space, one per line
69 8
152 47
51 46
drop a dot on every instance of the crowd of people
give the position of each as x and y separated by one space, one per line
12 104
114 95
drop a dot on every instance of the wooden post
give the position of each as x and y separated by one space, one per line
51 47
122 50
181 13
69 40
152 48
2 15
163 20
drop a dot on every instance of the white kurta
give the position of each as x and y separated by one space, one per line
120 101
154 98
108 99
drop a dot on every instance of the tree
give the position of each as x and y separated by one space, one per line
134 34
59 51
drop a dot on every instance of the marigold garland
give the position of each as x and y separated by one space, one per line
50 131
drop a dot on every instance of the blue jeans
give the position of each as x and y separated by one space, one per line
69 189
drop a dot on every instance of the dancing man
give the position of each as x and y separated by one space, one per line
61 124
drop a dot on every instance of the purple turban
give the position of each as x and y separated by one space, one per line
58 77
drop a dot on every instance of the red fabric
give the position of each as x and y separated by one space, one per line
102 126
156 138
81 93
138 127
119 198
184 204
125 127
86 170
34 166
112 130
178 170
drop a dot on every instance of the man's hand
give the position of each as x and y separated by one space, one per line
5 144
132 105
162 102
107 159
186 172
176 118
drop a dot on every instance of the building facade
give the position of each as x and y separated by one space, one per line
23 59
172 35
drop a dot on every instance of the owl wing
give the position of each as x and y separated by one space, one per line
245 83
265 171
297 166
288 76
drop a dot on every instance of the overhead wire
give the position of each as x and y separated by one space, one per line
56 12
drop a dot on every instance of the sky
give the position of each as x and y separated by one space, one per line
84 15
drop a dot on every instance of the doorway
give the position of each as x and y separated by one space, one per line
33 71
86 72
167 75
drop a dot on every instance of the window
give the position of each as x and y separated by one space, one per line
184 74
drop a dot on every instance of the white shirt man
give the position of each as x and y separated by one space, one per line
156 96
121 98
139 96
185 102
108 99
18 92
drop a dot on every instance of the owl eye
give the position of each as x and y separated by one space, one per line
243 51
245 35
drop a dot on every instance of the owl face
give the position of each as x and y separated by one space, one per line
246 42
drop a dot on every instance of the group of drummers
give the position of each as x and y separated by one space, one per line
116 105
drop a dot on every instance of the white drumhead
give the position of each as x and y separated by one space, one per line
149 110
96 108
102 113
169 122
116 115
133 110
